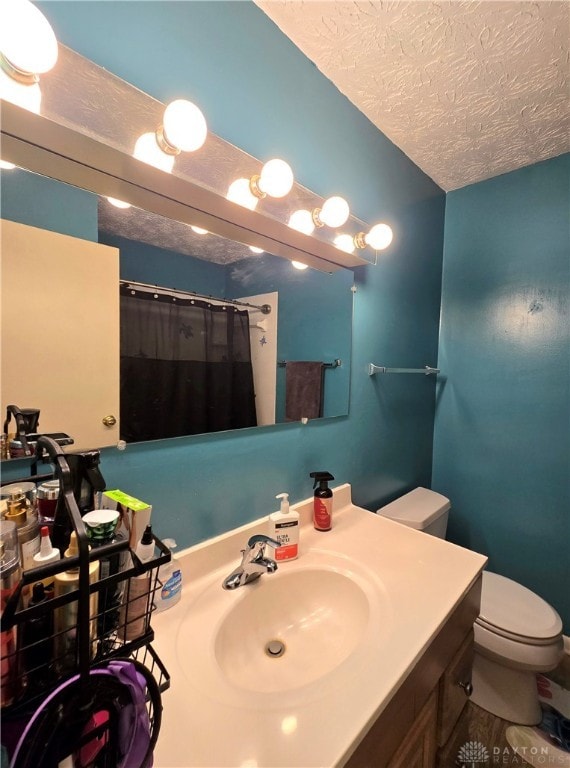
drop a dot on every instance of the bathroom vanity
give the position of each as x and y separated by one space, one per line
373 632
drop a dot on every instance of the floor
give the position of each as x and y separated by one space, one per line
532 746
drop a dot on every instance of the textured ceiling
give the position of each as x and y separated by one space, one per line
467 90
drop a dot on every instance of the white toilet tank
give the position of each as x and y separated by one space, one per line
421 509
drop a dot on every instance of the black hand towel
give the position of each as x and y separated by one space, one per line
303 390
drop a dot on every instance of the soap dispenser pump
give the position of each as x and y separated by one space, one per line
284 528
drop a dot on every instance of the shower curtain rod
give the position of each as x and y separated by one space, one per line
263 308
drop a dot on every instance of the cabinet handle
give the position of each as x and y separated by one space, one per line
109 421
467 687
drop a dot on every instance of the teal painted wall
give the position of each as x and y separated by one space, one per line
502 431
315 320
259 92
48 204
160 266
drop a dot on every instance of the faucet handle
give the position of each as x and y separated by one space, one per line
260 538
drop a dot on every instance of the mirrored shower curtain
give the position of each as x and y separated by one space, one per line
185 367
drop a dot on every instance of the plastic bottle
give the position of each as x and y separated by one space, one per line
37 641
170 576
101 527
65 617
322 504
10 575
284 528
47 554
138 598
21 512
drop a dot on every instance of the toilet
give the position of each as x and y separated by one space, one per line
517 633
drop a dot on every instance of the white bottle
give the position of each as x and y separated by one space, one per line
284 528
170 577
47 554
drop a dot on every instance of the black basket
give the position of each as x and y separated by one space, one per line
66 641
34 662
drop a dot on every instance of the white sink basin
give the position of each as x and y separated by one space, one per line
287 632
311 624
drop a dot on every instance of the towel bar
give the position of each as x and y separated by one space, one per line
336 364
427 370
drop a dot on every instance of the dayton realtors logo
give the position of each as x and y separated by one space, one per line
473 754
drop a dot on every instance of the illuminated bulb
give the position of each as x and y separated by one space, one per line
299 265
118 203
240 193
183 127
379 237
199 230
275 180
253 249
25 95
6 166
344 243
335 212
147 150
27 41
302 221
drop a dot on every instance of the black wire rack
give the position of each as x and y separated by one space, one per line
68 637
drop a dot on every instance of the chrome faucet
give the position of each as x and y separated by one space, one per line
253 564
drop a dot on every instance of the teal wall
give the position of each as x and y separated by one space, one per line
259 92
47 204
315 320
502 434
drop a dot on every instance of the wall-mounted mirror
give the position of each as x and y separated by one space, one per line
65 251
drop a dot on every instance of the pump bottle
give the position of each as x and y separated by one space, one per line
284 528
323 500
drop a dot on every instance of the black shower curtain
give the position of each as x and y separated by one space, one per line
185 367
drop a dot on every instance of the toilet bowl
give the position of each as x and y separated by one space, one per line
517 633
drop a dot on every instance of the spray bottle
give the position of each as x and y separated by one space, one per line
322 504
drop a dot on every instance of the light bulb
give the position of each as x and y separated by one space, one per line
379 237
240 193
276 178
335 212
25 95
254 249
199 230
118 203
299 265
27 41
6 166
302 221
344 243
147 150
184 126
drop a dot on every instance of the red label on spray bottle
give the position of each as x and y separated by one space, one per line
322 519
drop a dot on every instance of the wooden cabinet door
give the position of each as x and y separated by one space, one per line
454 685
418 750
60 332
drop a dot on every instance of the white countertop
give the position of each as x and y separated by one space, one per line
209 722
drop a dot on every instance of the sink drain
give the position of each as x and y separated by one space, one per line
275 648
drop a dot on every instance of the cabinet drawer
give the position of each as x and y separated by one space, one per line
454 689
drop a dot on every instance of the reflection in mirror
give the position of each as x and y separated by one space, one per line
68 250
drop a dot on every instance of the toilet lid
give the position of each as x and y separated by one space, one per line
510 606
416 509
